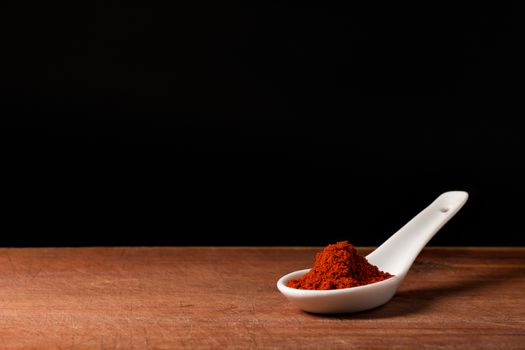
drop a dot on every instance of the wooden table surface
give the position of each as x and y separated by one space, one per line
188 298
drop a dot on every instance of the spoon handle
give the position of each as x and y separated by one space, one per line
397 253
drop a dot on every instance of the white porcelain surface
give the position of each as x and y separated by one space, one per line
395 256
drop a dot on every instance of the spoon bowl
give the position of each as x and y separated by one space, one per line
344 300
395 256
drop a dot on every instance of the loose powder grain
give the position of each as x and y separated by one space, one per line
339 266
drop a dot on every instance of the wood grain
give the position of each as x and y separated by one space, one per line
215 298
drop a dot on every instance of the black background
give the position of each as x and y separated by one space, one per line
257 124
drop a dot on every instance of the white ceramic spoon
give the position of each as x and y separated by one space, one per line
395 256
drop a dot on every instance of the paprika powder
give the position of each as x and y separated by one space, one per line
339 266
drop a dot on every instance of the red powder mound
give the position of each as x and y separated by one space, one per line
339 266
